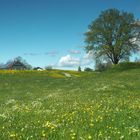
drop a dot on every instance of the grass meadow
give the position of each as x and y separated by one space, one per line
87 106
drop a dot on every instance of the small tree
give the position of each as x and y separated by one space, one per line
101 66
113 34
48 67
79 69
20 59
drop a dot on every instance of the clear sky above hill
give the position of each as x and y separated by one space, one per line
50 32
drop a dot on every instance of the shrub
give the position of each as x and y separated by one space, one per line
48 68
88 69
100 66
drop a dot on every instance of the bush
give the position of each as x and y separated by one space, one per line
48 68
102 66
88 69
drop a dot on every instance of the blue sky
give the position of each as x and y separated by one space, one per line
50 32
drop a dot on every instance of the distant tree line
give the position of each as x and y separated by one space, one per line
22 62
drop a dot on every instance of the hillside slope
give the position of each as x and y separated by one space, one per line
98 106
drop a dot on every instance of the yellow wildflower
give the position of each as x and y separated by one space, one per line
89 137
12 135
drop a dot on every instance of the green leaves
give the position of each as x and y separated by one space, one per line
114 29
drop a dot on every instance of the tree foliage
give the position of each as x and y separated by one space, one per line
114 34
88 69
101 66
79 69
49 67
20 59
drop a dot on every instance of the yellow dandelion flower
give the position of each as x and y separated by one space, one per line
72 137
89 137
12 135
43 133
91 124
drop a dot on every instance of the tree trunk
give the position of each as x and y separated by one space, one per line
116 61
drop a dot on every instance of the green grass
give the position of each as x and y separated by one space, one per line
125 66
45 106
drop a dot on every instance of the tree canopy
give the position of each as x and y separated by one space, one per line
79 68
114 34
20 59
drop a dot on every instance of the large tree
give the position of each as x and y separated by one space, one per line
114 34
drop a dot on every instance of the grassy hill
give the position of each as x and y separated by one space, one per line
49 105
126 66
